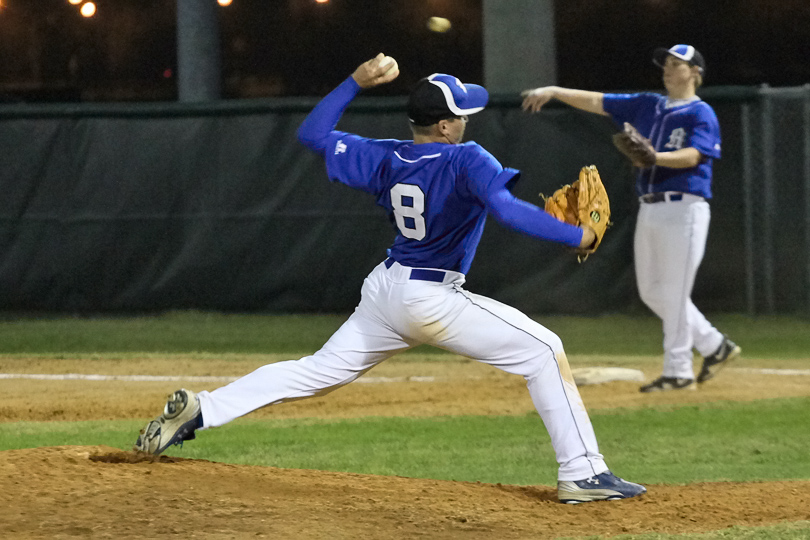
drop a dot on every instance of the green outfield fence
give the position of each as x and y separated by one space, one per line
155 206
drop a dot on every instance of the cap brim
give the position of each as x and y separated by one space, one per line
660 56
477 99
470 102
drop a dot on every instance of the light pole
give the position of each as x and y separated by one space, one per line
199 75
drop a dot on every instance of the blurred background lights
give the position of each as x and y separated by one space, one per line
75 2
225 2
322 1
88 9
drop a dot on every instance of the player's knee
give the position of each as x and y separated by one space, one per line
554 343
652 298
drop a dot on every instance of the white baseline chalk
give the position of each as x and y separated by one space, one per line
210 378
166 378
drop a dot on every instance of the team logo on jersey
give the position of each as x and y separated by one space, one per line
676 139
595 216
340 148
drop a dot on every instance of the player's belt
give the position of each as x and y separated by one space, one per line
669 196
421 274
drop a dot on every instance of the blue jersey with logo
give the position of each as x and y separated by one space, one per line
438 195
686 124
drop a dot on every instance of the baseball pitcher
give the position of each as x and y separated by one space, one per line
438 192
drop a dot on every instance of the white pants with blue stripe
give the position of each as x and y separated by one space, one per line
670 241
397 312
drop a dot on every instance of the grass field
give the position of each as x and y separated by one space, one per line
765 439
187 332
757 440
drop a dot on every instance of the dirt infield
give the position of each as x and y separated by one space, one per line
102 492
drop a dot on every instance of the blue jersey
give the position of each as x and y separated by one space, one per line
691 124
438 195
434 192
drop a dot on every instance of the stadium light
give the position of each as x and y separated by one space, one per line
75 2
224 3
322 1
88 9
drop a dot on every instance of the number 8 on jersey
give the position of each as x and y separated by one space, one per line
408 202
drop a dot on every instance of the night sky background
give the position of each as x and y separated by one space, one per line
270 48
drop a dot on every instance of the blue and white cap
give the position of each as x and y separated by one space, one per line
441 96
687 53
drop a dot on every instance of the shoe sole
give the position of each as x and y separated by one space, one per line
575 495
733 355
580 501
597 495
691 386
180 422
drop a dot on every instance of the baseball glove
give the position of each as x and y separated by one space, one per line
583 203
635 146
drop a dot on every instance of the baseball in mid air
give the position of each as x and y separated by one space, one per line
439 24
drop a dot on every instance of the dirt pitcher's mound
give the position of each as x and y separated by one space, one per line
103 492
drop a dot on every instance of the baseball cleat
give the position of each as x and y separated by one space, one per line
181 416
602 487
663 384
727 352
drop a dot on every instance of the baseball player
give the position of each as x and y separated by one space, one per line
438 192
674 187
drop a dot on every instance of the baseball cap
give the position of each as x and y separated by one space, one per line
687 53
441 96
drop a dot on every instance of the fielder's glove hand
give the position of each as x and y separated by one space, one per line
583 203
635 146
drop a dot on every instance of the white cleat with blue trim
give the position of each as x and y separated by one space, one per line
602 487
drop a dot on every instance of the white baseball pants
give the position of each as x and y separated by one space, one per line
670 241
397 312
